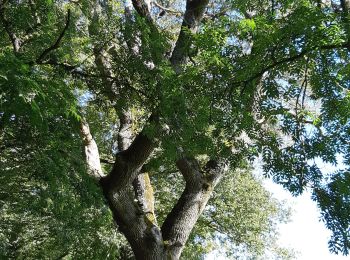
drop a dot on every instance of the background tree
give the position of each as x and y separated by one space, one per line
200 87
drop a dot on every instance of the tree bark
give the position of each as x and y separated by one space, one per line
91 153
199 187
127 189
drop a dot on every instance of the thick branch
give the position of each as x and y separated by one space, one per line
142 7
57 43
124 137
199 186
135 220
145 197
192 18
92 155
129 162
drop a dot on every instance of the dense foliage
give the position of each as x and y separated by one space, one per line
260 78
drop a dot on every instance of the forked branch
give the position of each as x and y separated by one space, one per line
199 186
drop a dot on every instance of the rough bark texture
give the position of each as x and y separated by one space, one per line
199 186
127 189
192 18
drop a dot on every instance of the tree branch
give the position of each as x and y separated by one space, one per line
199 186
124 137
77 71
168 10
106 161
293 58
92 155
192 18
145 197
142 8
129 162
58 40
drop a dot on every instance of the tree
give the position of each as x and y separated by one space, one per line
203 86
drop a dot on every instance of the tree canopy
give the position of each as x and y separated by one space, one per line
180 94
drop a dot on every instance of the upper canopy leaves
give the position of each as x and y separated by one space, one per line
260 78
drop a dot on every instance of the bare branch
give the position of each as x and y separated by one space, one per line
57 42
168 10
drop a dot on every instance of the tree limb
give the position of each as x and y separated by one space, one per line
92 155
145 197
56 44
142 8
199 186
293 58
191 20
166 9
106 161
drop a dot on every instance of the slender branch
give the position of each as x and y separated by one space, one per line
58 40
293 58
214 16
37 20
76 70
168 10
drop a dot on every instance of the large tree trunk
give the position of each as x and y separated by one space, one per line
127 188
129 194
